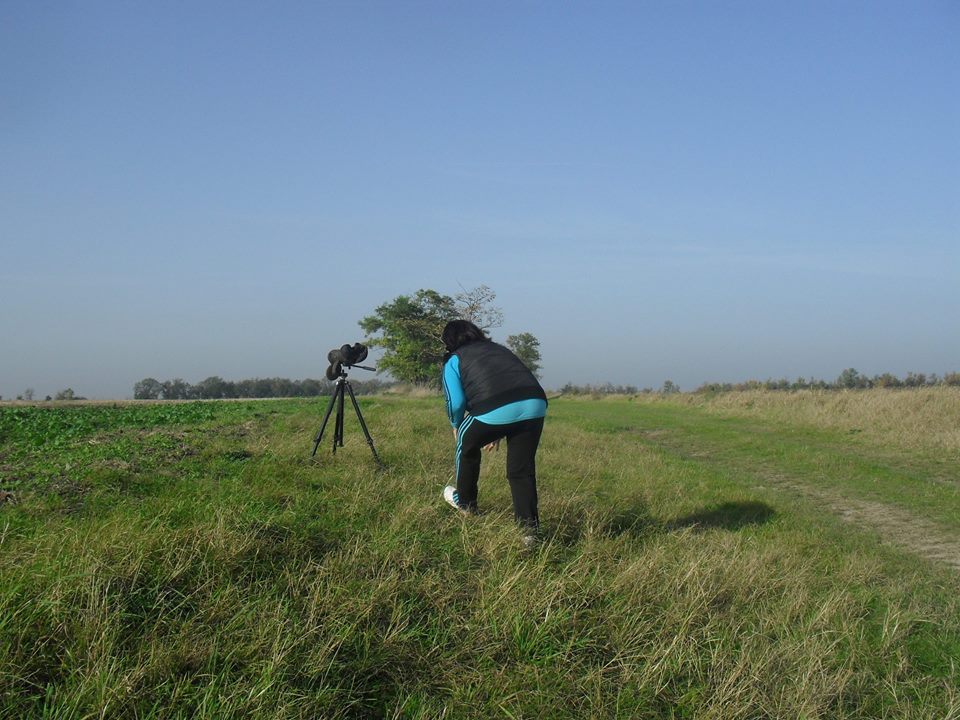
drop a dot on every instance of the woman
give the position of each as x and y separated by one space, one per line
492 395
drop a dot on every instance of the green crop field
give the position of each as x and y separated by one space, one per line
749 555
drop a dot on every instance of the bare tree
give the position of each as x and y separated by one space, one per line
477 306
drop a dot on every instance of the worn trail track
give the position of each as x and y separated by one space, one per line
896 526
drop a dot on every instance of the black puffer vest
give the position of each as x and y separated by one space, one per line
492 376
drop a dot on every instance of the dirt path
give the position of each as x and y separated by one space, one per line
896 526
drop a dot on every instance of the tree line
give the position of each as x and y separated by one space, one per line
408 329
849 379
216 388
65 394
669 387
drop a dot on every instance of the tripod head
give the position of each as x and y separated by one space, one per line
340 372
362 367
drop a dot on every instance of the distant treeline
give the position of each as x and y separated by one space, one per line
606 389
216 388
849 379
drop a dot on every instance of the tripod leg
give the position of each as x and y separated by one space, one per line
338 427
363 426
323 425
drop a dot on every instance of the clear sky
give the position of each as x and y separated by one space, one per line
656 190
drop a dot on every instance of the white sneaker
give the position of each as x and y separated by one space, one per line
530 542
450 495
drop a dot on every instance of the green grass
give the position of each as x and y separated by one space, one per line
762 448
192 560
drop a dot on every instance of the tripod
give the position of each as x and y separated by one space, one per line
336 398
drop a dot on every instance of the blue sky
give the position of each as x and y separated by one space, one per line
692 191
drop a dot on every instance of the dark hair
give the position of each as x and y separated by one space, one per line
458 333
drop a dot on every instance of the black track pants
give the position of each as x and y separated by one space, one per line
522 440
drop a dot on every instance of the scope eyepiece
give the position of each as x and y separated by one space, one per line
351 355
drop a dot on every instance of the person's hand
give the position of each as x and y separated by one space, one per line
495 445
455 438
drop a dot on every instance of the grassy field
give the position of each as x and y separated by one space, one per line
751 555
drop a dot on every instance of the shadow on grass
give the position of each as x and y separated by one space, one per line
576 520
728 515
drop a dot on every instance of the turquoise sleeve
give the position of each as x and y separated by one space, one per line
453 390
